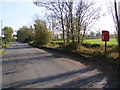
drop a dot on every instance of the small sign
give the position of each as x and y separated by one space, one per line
105 35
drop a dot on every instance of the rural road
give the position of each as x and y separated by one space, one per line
24 66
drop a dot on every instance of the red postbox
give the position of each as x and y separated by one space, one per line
105 35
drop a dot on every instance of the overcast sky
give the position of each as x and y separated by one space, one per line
16 13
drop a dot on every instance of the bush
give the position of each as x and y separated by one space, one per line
95 45
42 35
25 34
43 38
5 44
57 42
88 45
52 45
60 43
34 44
71 46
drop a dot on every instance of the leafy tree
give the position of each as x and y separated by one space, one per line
8 31
42 34
25 34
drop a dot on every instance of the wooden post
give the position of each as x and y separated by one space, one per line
105 46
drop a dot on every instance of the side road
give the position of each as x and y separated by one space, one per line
24 66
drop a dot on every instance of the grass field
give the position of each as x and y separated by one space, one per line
112 41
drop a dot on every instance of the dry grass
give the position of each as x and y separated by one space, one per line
94 53
52 45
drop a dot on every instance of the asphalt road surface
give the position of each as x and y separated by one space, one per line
24 66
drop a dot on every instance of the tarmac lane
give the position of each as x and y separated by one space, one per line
24 66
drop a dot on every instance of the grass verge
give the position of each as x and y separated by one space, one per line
2 51
96 54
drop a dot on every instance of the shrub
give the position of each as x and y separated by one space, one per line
95 45
43 35
60 43
71 46
25 34
57 42
87 45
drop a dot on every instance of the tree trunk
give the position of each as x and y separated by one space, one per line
71 21
67 29
72 28
78 33
62 22
78 37
63 31
119 40
83 36
68 35
78 29
118 30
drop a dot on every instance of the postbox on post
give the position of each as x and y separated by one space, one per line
105 37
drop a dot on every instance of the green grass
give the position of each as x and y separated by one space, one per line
60 41
2 51
112 41
5 45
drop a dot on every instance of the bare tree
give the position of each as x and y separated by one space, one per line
112 9
67 22
86 17
80 17
118 27
75 18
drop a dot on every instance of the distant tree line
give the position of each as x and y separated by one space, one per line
90 35
98 35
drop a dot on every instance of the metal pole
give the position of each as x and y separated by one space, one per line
105 46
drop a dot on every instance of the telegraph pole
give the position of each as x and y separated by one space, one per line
1 27
1 35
